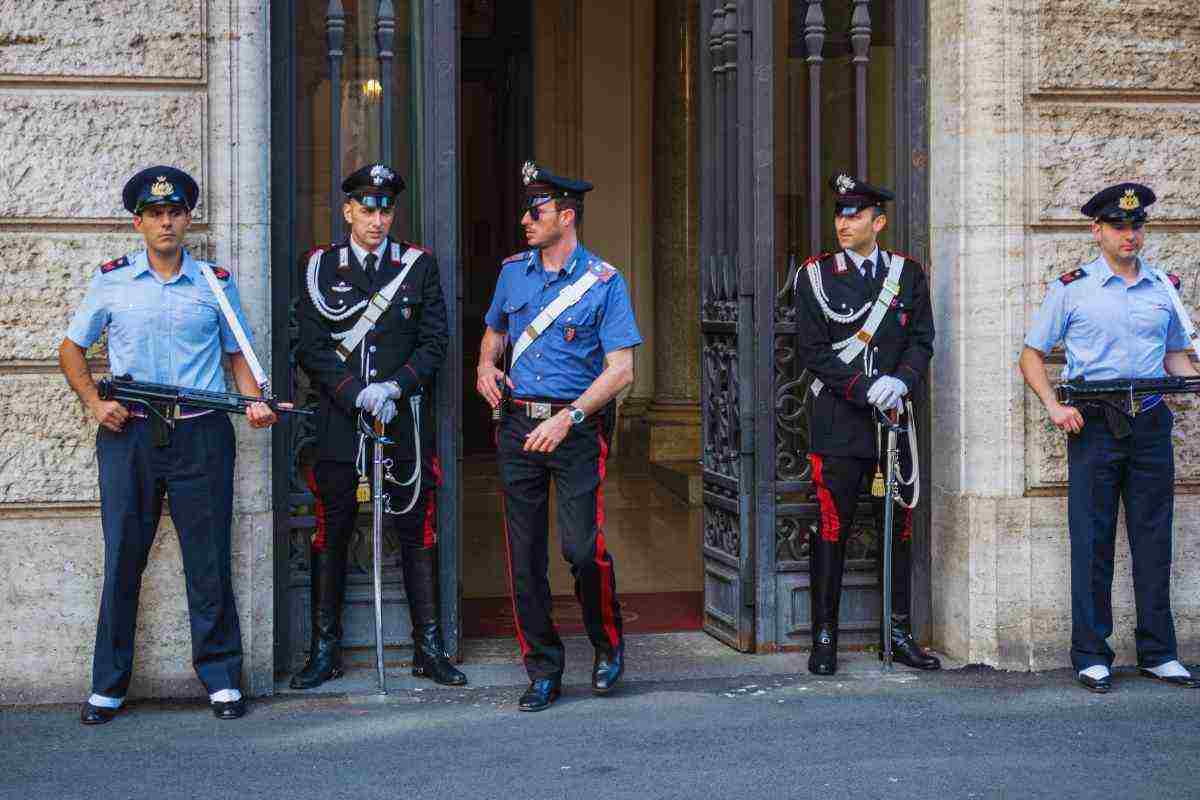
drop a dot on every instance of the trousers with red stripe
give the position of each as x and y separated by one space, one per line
577 468
840 483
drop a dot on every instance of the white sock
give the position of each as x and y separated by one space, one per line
1171 669
225 695
1097 672
100 701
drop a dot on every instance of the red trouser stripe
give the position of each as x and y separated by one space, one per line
512 586
606 576
429 531
831 524
906 531
318 539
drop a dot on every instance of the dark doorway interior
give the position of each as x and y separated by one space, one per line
497 77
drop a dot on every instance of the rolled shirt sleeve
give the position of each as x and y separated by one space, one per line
1050 322
496 318
618 328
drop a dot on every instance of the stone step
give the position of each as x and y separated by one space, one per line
681 477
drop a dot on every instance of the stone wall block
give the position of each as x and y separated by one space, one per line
112 39
44 280
67 154
1088 45
1080 149
47 442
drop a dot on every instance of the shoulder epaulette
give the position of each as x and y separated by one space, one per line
516 257
602 270
1175 280
220 272
116 263
907 258
1073 275
817 259
322 248
416 246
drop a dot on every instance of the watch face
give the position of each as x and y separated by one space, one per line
577 415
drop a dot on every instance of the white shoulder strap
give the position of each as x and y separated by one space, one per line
566 298
1185 319
239 334
378 304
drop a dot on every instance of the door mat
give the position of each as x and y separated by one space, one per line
656 612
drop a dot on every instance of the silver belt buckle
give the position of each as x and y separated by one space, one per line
539 410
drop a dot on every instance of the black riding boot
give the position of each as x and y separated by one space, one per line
420 583
328 589
905 649
826 561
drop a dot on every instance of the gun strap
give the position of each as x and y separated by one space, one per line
1185 319
260 375
378 305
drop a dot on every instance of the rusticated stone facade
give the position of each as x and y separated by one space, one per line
90 92
1036 105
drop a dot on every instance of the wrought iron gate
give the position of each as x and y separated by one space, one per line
433 180
759 510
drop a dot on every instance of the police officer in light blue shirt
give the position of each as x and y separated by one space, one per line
1116 319
164 326
570 361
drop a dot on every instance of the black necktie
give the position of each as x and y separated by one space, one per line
869 270
371 259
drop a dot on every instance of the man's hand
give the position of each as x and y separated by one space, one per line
372 398
547 436
1066 418
386 412
487 383
260 415
885 392
110 414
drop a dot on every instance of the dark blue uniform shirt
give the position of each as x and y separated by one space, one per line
564 361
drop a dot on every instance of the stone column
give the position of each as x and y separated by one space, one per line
671 427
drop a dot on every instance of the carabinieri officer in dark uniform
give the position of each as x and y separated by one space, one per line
372 337
1116 318
569 315
835 295
165 325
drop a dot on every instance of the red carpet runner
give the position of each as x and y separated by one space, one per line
660 612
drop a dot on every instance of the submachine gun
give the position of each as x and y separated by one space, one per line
164 400
1121 399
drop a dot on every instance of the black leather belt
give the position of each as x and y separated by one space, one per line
534 409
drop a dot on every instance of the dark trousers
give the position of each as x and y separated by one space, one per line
335 484
577 467
839 483
195 471
1138 470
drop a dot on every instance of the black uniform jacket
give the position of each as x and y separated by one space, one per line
842 423
407 345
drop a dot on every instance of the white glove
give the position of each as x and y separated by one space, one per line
372 398
885 392
393 389
387 411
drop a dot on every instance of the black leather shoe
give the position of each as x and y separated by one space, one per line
228 710
1097 685
607 669
420 584
905 650
540 694
823 658
1189 682
328 588
97 715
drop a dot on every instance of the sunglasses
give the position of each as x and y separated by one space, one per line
535 210
380 201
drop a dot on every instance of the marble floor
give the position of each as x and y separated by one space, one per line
653 535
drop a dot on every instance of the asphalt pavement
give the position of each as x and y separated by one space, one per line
768 730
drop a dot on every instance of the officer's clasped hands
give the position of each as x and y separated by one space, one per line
372 398
886 393
386 412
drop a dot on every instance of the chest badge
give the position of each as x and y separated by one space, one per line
406 312
569 333
903 319
341 286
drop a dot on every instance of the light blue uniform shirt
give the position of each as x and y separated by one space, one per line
1109 330
158 332
561 363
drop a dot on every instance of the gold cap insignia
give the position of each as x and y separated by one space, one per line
844 183
1129 201
162 187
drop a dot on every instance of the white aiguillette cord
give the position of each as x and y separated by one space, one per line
260 375
1185 319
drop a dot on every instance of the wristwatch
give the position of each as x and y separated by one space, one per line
576 414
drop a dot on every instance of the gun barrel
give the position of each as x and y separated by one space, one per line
139 391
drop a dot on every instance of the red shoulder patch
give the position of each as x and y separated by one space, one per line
1175 280
319 249
416 246
603 270
516 257
1069 277
907 258
221 273
816 259
116 263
